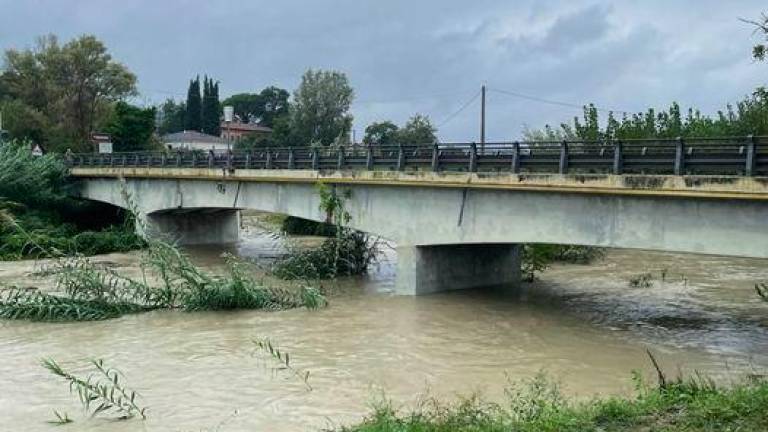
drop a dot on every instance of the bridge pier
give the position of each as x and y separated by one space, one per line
195 227
430 269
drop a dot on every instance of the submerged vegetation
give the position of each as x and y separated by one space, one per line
537 257
94 292
347 253
538 405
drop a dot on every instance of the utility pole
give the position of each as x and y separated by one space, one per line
482 119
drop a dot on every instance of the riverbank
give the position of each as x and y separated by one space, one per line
693 404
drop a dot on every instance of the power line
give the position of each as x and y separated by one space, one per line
409 99
553 102
463 107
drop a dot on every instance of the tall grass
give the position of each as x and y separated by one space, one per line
538 405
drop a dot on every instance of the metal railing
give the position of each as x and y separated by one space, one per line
747 156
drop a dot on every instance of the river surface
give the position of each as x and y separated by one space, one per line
583 325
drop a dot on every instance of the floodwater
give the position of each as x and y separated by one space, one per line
583 325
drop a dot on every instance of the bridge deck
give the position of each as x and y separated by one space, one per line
701 186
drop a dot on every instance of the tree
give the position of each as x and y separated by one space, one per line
171 117
22 122
73 85
418 130
273 104
246 106
211 108
760 50
320 110
262 108
131 127
381 133
192 117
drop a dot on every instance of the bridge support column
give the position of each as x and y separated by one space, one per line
196 227
430 269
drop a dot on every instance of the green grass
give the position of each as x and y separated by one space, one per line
538 406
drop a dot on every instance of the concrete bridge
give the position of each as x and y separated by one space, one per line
452 229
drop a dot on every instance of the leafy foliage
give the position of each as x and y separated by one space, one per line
381 133
263 108
320 110
72 86
537 257
760 50
172 116
100 392
418 130
350 252
748 116
131 127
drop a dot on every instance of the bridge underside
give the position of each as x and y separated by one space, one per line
195 226
457 232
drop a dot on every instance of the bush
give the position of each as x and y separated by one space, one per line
298 226
348 254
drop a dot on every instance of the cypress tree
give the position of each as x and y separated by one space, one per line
192 118
211 108
216 109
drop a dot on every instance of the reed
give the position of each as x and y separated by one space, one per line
283 359
101 391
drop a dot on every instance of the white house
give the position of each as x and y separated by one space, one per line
193 140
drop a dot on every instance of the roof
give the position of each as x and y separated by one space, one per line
192 137
244 127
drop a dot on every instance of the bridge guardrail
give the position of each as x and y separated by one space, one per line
747 156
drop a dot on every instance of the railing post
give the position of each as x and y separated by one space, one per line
194 159
400 158
563 168
229 160
749 169
369 158
618 162
515 157
149 160
473 157
679 156
340 161
210 159
124 160
248 160
435 158
162 160
136 160
315 159
268 164
178 158
291 158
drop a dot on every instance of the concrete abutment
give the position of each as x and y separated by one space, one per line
430 269
197 227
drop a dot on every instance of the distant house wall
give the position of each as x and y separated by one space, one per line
196 146
236 131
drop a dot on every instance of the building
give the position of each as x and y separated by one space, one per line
193 140
235 131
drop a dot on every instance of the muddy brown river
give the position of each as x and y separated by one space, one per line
581 324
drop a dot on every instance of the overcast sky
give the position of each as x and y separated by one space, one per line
428 56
